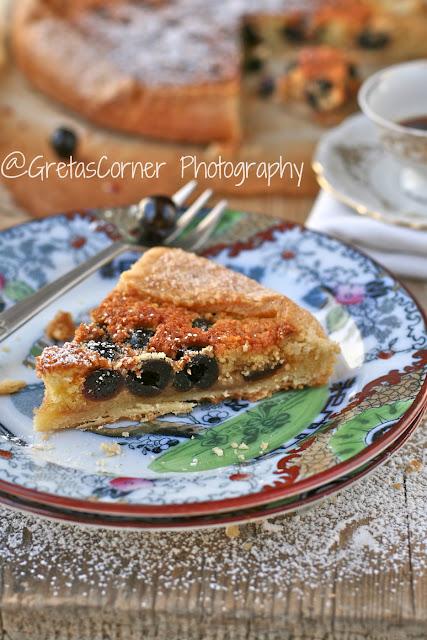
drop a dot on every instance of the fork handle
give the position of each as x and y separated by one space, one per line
23 311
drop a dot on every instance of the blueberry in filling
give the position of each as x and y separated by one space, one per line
64 142
151 379
202 371
102 384
105 349
250 37
201 323
260 374
182 381
140 338
196 347
352 70
266 87
253 64
317 91
294 32
183 352
323 85
369 39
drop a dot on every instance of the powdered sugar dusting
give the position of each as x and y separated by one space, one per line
362 531
184 41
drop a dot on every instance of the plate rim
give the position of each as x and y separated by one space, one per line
419 405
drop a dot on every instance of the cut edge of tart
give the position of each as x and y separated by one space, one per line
176 330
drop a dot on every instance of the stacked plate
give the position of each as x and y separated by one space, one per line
277 455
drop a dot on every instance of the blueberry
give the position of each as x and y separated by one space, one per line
64 142
156 220
202 371
253 64
250 37
151 379
182 381
324 85
140 338
266 87
201 323
317 90
182 352
352 70
369 39
106 349
260 374
294 33
312 99
102 384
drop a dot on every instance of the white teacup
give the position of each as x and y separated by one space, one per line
390 97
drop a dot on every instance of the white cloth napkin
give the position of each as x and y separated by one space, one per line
401 250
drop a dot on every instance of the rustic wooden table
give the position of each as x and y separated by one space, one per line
352 567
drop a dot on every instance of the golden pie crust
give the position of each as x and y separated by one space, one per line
72 57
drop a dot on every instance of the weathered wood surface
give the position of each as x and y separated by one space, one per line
55 603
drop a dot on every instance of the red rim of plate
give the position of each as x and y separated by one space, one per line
266 495
198 523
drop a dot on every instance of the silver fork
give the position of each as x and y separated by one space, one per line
128 220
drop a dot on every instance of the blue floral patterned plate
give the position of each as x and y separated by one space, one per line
294 442
220 519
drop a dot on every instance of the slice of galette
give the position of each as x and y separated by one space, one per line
176 330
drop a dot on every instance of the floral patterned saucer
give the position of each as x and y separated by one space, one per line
313 436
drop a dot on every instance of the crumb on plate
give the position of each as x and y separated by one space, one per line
61 327
111 449
39 446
